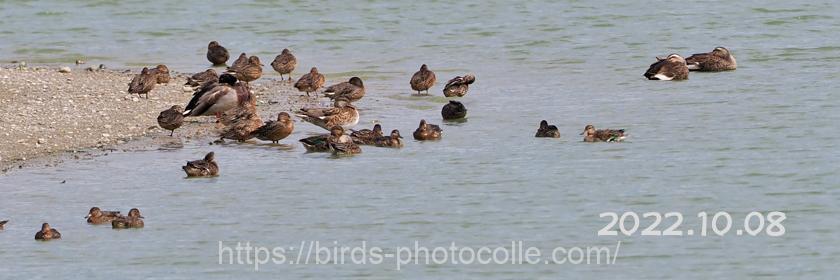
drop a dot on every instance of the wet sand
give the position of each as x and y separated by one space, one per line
48 116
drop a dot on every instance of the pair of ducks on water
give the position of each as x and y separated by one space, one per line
96 217
675 67
590 134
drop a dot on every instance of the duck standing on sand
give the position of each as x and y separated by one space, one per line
216 98
392 141
3 224
217 54
310 82
719 59
453 110
670 68
423 79
47 233
202 167
341 144
284 63
602 135
96 216
342 114
547 130
200 78
133 220
353 90
249 72
171 119
242 126
458 86
275 131
427 131
143 83
366 136
162 74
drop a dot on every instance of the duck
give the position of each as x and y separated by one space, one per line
3 224
240 62
316 144
249 72
162 74
275 131
284 63
133 220
547 130
342 114
243 124
96 216
366 136
453 110
427 131
670 68
391 141
200 78
216 98
353 90
47 233
602 135
458 86
310 82
422 79
203 167
217 54
143 83
171 119
719 59
341 144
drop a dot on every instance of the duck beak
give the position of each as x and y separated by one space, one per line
88 216
583 132
141 217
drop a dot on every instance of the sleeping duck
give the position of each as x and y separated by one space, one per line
162 74
670 68
217 54
719 59
366 136
353 90
342 114
453 110
243 124
133 220
458 86
202 167
422 80
240 62
171 119
602 135
200 78
47 233
547 130
310 82
248 72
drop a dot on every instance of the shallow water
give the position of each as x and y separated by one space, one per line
761 138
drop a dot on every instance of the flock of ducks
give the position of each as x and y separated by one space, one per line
230 94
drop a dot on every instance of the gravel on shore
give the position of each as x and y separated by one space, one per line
48 114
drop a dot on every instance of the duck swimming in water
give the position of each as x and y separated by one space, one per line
458 86
391 141
217 54
719 59
427 131
203 167
133 220
547 130
284 63
602 135
366 136
3 224
671 68
47 233
97 216
423 80
341 144
453 110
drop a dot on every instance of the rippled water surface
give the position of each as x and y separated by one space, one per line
761 138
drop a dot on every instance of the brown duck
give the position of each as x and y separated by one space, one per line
427 131
316 144
162 74
143 83
458 86
353 90
249 72
342 114
244 123
240 62
310 82
284 63
423 80
670 68
547 130
719 59
133 220
96 216
366 136
203 167
47 233
275 131
453 110
200 78
392 141
602 135
341 144
3 224
171 119
217 54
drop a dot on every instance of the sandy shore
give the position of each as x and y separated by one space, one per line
48 116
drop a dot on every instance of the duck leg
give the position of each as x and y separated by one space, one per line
171 132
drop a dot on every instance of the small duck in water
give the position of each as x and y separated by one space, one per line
392 141
47 233
366 136
341 144
602 135
133 220
423 80
453 110
426 131
203 167
547 130
720 59
3 224
671 68
96 216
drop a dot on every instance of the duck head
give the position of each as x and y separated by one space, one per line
721 51
313 71
286 51
675 58
213 44
377 129
422 125
227 79
254 60
94 212
134 213
336 131
162 68
342 102
284 117
145 70
424 67
356 81
588 130
543 124
395 134
211 156
45 227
